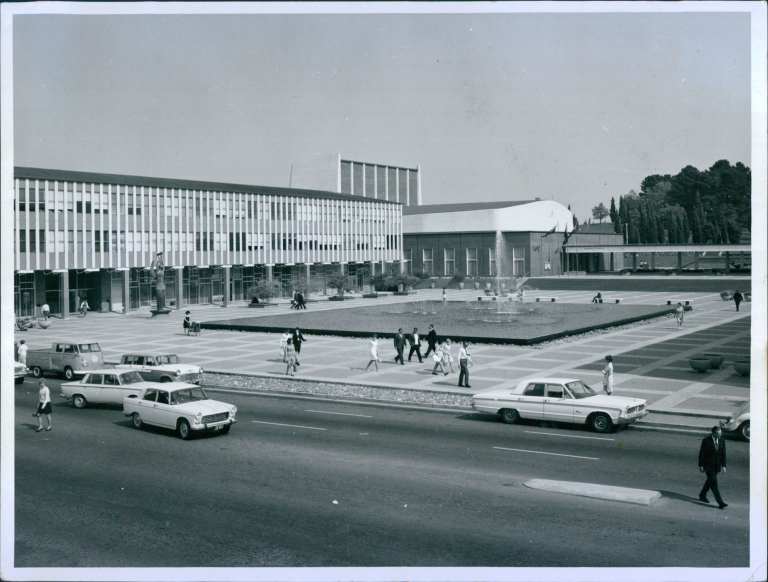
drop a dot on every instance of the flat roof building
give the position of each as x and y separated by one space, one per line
82 234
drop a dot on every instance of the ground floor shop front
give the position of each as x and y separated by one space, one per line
130 289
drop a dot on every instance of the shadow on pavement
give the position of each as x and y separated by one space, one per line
686 498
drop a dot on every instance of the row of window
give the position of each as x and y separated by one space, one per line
471 262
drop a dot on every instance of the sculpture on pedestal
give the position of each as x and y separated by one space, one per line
158 282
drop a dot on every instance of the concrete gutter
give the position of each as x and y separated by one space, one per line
596 491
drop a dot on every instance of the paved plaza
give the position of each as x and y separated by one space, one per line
650 357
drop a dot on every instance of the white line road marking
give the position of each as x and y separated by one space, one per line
570 436
288 425
339 413
545 453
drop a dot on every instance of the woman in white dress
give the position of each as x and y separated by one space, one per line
374 353
448 356
608 375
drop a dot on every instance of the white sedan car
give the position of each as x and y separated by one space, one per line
182 407
560 400
738 422
104 386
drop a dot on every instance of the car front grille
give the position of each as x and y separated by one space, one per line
191 378
215 417
634 409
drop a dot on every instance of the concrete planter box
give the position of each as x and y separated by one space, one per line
715 360
742 367
370 295
258 305
336 298
699 364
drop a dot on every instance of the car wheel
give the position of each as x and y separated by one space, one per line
69 373
744 430
136 420
79 401
601 422
225 430
509 415
37 371
165 379
184 431
20 380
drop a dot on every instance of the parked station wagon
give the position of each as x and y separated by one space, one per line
560 400
67 358
105 386
162 368
184 408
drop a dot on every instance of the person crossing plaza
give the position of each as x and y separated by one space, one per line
374 353
399 342
431 340
712 461
679 314
738 298
43 406
415 342
608 375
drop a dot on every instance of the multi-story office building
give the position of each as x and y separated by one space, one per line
380 181
88 235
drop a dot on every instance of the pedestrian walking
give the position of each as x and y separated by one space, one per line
187 323
84 307
297 339
285 341
711 462
291 360
437 358
431 340
45 311
399 342
465 359
738 298
448 356
43 406
679 314
415 341
374 353
21 357
608 375
300 302
445 296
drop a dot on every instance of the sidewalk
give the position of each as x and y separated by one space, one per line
650 357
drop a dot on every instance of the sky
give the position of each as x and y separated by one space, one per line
571 107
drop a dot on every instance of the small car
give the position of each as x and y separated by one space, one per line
105 386
738 422
182 407
162 368
19 371
67 358
560 400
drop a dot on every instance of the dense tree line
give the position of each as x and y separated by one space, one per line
692 206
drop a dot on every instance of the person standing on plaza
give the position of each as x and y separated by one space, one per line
608 375
21 357
297 340
679 314
45 311
415 341
445 296
738 298
431 340
291 360
301 304
374 353
399 342
187 323
448 356
285 341
84 307
465 360
43 406
711 462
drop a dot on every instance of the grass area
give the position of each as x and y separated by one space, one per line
523 324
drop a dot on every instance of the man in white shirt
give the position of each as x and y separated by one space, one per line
415 342
465 357
43 406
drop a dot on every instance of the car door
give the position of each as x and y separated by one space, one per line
92 388
531 402
112 391
558 405
166 414
147 405
56 359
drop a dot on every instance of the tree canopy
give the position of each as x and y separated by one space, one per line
713 206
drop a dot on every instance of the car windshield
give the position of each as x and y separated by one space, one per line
130 378
579 389
168 359
188 395
85 348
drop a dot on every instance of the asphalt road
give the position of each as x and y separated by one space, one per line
310 483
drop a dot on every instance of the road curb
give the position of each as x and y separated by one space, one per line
596 491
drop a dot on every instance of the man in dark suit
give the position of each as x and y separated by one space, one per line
399 345
415 340
297 339
431 340
711 462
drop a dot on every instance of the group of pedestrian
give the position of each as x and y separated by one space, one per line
442 353
290 347
298 301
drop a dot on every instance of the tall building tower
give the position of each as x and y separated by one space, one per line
380 181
